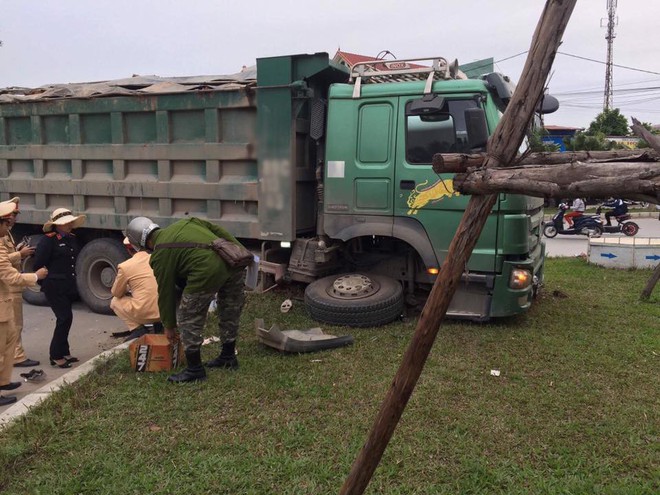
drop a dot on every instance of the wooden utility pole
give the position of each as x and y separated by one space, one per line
502 148
654 142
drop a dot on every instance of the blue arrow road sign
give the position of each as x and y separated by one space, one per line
654 257
608 255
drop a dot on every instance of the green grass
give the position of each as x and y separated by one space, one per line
575 410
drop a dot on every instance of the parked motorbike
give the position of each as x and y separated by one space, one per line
589 225
623 225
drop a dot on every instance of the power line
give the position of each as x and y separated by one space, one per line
605 63
587 59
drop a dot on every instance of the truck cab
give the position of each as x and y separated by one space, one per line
394 215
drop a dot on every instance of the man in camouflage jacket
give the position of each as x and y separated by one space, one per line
197 276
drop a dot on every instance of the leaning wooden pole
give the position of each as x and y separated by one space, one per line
501 150
654 142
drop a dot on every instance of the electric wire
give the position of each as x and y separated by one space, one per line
591 97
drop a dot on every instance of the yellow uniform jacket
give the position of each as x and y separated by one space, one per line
141 305
10 278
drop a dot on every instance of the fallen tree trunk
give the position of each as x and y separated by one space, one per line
455 163
638 180
646 135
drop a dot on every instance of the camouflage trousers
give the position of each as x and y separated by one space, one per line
193 310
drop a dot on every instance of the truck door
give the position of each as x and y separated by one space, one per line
422 194
361 157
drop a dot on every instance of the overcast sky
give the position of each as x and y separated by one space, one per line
57 41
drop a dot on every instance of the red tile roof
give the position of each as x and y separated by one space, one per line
350 59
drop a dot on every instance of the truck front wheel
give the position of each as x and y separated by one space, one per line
96 269
355 300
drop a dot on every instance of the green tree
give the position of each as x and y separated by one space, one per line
609 122
584 141
536 144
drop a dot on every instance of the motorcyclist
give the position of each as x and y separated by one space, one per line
577 210
619 207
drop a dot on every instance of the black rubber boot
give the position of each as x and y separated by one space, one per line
226 362
194 371
227 358
5 400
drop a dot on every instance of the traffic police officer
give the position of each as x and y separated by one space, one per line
57 251
17 252
9 277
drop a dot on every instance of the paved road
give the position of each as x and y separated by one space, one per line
90 335
575 245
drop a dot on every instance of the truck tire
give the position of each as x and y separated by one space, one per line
96 269
33 295
355 300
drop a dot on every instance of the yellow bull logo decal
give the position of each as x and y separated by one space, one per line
421 196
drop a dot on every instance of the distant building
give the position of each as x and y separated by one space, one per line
557 133
629 142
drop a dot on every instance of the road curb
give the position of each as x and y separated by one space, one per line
24 405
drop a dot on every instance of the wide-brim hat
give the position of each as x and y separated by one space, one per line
13 202
63 216
7 208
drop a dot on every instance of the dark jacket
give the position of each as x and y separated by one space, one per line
619 207
58 253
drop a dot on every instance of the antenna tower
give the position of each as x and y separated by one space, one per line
612 20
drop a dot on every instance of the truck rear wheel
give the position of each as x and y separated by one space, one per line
355 300
96 269
33 295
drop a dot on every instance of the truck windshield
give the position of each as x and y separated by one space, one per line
442 132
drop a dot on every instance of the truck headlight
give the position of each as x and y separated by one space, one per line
520 278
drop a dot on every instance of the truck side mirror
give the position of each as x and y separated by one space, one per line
548 104
477 128
428 104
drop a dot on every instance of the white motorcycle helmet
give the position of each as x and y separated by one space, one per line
138 231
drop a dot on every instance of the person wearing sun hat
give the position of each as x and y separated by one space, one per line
9 277
58 251
16 255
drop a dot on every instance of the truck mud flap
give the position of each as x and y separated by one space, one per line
299 341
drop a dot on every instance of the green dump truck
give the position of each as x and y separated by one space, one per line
324 171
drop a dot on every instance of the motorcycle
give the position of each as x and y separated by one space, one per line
623 225
589 225
642 204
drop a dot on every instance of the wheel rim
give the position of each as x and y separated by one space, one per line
550 231
353 286
630 229
595 233
101 275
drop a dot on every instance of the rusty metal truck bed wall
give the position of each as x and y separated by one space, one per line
141 146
